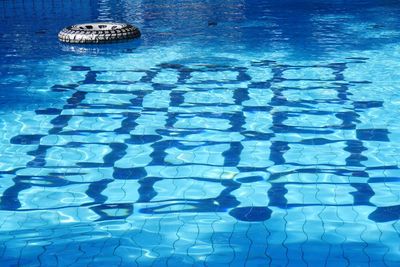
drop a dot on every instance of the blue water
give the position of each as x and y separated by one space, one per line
232 133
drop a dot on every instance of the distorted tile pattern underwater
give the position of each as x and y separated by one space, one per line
232 133
203 163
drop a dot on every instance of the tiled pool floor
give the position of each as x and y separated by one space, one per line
202 163
232 133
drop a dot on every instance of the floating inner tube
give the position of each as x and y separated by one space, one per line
94 33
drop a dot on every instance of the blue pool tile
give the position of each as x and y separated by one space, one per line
251 214
154 153
373 134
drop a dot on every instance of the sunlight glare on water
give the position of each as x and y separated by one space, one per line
232 133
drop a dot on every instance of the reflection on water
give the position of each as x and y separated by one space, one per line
310 28
258 133
104 10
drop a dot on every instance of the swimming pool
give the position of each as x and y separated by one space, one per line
232 133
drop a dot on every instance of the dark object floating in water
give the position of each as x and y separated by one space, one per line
95 33
212 23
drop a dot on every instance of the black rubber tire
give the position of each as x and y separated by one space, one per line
112 32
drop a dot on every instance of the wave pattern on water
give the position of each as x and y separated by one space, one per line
200 162
232 133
